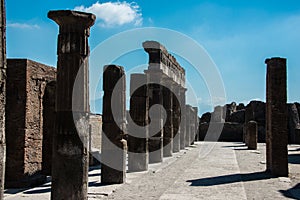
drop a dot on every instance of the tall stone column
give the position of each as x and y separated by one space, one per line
176 118
192 125
196 138
188 125
276 117
113 146
168 126
182 126
138 153
2 94
155 141
70 156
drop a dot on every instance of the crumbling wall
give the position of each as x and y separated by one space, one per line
24 130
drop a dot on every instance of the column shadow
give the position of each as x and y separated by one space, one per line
292 193
232 178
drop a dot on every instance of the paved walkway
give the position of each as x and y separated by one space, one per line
203 171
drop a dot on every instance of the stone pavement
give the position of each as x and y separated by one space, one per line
203 171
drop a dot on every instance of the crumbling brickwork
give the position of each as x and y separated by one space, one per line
27 81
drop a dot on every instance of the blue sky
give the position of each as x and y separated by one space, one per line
238 35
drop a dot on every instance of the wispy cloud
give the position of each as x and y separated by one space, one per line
112 14
23 26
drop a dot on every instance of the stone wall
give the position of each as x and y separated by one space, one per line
27 81
95 138
236 116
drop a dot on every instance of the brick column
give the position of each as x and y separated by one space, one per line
276 117
176 118
188 125
113 146
2 95
138 154
70 156
168 126
182 126
251 133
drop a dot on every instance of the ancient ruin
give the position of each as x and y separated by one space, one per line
47 128
165 77
27 89
138 152
276 117
70 139
114 145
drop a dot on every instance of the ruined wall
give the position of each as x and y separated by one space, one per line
95 138
24 126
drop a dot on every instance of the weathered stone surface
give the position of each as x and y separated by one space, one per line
205 118
237 117
48 126
276 117
231 132
251 135
95 122
2 94
176 117
293 122
114 146
187 125
138 153
218 114
167 95
182 126
70 155
26 99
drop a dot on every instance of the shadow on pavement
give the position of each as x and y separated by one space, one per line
293 193
294 158
227 179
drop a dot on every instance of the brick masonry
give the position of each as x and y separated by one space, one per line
26 85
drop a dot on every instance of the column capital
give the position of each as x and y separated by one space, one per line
70 17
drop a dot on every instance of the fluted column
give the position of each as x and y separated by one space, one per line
70 156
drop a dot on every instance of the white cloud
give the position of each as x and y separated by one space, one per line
23 26
115 13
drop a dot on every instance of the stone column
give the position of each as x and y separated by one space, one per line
182 126
192 125
188 125
70 156
251 132
196 138
138 154
276 117
155 141
113 146
168 126
2 94
176 118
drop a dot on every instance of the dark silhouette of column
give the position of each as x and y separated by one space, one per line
138 154
155 141
114 145
182 126
196 138
187 125
176 118
251 135
168 126
276 117
70 156
2 95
